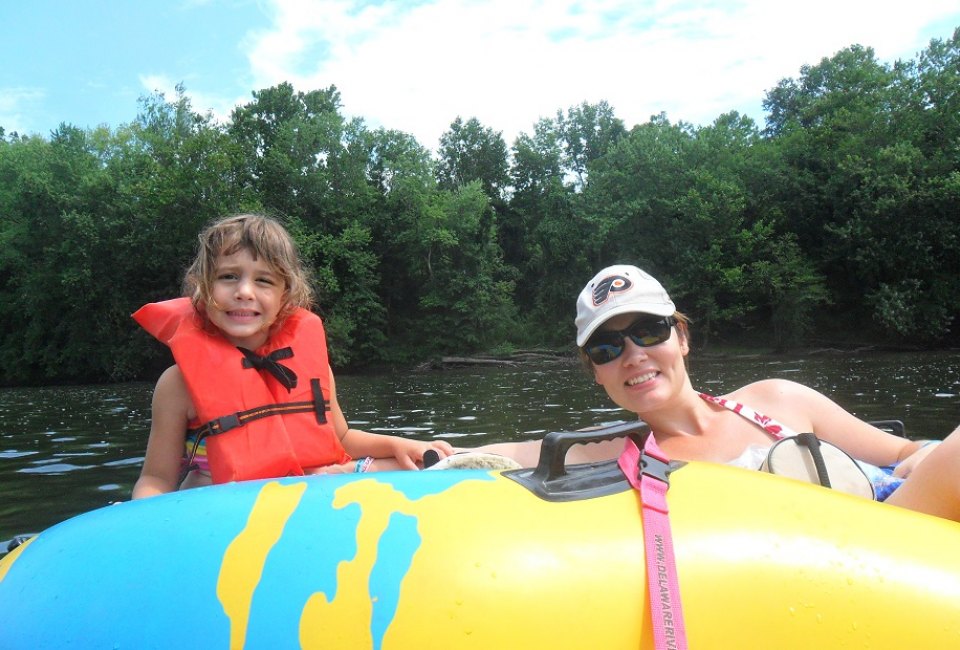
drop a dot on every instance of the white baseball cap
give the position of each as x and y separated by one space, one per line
619 289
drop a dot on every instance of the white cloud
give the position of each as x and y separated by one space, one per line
417 66
16 105
200 102
158 83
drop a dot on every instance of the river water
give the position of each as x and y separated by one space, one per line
67 450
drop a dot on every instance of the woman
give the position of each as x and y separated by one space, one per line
635 342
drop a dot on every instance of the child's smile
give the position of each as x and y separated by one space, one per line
248 294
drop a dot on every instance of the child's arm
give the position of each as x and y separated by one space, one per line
168 429
408 453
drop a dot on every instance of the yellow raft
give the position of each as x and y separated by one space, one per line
551 558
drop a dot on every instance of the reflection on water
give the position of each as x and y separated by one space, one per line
476 406
67 450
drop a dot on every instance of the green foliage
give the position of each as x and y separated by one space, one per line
470 152
347 280
466 301
587 133
843 213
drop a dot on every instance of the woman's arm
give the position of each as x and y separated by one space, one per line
929 469
804 409
171 409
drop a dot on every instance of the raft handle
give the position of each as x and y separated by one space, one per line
892 426
554 480
16 541
553 451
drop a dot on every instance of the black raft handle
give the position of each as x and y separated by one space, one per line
554 480
553 451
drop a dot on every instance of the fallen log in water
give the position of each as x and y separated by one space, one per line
516 358
476 361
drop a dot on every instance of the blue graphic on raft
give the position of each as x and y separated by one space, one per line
141 573
395 551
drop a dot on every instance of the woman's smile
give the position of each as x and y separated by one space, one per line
640 379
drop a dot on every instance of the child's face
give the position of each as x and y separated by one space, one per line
248 294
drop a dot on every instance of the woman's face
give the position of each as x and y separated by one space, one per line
642 379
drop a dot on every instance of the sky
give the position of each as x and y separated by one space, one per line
417 65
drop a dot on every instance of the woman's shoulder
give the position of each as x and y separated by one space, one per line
788 403
775 390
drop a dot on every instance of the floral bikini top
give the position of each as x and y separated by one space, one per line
884 483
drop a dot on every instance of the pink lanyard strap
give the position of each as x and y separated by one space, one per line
771 426
648 473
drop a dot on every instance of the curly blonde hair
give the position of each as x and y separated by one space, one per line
265 238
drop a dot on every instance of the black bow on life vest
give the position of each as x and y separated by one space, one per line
284 375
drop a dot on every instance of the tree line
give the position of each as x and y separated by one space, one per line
836 221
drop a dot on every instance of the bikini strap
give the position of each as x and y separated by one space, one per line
771 426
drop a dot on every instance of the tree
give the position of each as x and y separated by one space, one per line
57 241
588 132
471 152
466 301
402 171
289 140
855 136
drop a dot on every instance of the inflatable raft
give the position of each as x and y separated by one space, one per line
544 558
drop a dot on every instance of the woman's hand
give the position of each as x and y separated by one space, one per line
910 463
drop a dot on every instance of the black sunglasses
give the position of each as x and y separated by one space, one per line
604 347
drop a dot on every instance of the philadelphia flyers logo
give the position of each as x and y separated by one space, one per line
606 286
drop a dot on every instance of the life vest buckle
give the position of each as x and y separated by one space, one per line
225 423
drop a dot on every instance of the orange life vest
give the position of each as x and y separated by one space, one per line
255 427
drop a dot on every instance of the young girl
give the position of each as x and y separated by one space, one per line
251 394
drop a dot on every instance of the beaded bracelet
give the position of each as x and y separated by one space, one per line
363 464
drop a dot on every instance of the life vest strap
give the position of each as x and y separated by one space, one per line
321 405
318 406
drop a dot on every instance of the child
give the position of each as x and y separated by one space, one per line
252 394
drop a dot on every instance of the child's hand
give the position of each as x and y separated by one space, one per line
409 453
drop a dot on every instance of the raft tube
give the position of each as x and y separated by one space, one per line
544 558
